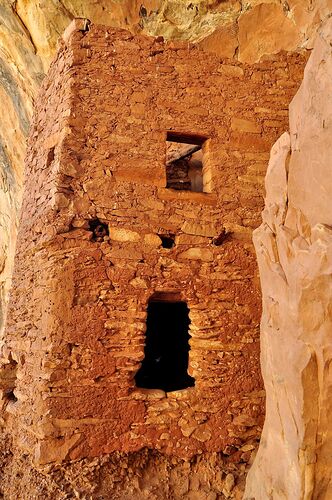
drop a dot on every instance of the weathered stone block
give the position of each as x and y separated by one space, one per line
197 254
121 234
229 70
243 125
190 227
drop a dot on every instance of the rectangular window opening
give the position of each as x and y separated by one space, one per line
185 162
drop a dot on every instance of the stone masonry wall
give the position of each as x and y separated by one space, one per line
78 308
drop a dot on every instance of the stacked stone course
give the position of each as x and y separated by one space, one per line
76 323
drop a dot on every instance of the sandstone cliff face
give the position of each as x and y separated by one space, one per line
245 30
294 249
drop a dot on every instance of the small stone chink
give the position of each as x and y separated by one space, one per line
221 238
9 379
142 11
99 230
167 240
85 25
50 157
10 396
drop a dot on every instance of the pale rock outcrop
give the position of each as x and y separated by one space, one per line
252 29
294 249
268 27
20 75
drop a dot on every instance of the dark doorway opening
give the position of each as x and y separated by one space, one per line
166 351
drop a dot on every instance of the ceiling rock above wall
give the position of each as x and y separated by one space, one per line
294 250
251 29
247 29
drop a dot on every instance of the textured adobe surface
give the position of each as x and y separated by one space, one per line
78 307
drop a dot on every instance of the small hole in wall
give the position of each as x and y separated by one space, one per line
9 375
167 240
142 11
184 162
99 229
10 396
50 156
221 238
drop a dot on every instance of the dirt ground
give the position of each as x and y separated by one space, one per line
143 475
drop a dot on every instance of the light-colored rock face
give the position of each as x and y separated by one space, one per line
294 249
253 28
29 31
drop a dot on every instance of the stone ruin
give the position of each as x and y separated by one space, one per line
135 306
